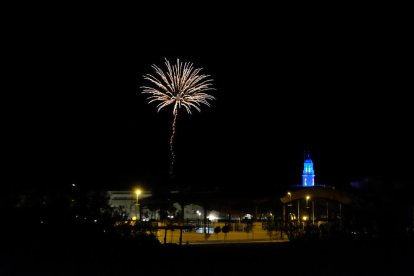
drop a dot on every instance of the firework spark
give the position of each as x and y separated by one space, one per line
180 85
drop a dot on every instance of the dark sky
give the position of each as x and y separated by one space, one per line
339 87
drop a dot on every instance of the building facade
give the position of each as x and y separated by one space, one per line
313 204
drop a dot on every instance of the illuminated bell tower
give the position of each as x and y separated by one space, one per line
308 176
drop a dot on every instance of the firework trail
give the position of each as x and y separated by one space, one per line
180 85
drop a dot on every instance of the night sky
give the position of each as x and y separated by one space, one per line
339 87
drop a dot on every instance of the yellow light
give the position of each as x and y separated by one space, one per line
138 191
134 218
307 197
305 218
289 194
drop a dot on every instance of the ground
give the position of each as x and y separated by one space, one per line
122 257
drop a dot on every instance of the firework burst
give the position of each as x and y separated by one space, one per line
181 85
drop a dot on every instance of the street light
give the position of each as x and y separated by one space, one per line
199 214
307 206
298 211
290 205
313 212
137 192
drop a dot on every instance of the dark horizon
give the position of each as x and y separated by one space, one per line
77 114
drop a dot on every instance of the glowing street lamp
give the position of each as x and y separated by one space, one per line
313 212
137 192
307 206
307 199
290 205
199 214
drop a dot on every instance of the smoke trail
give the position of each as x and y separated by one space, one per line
172 145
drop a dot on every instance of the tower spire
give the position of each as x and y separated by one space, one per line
308 176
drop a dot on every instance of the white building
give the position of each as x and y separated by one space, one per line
125 204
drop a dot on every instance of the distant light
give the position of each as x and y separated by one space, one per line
212 217
137 191
248 216
289 194
95 220
307 197
305 218
41 222
170 217
134 218
73 185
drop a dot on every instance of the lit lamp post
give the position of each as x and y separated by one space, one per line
137 192
313 212
290 205
199 214
307 206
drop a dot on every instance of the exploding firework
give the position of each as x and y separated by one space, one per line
180 85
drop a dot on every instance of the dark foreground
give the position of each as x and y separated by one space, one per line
102 256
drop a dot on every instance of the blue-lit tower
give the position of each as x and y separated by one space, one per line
308 176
